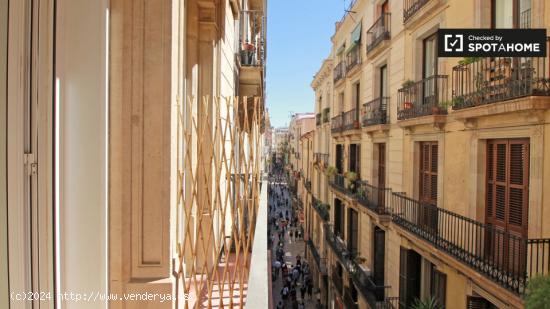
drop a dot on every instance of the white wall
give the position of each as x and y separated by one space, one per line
81 73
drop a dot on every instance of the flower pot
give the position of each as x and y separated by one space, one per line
408 105
436 110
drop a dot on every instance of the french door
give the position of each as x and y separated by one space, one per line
428 215
507 202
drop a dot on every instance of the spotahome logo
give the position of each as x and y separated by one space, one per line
492 42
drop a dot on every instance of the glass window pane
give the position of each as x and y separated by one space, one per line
504 13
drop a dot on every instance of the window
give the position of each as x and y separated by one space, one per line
357 98
507 200
340 102
383 81
429 61
355 158
353 231
428 172
409 277
511 14
476 302
338 217
339 159
438 287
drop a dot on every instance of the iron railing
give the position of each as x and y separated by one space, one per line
410 7
425 97
504 257
321 262
339 71
318 119
338 182
388 303
337 281
322 209
376 111
374 294
353 57
481 81
252 38
374 198
336 124
326 114
379 31
349 302
351 120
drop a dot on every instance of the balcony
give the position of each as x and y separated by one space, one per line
321 262
482 81
318 119
343 185
353 57
326 114
374 294
375 112
336 124
252 53
374 198
410 7
321 209
351 120
504 257
379 32
339 71
422 98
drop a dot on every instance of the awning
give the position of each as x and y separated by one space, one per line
356 34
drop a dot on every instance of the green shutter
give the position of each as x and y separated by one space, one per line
356 34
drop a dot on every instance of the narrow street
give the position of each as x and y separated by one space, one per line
283 234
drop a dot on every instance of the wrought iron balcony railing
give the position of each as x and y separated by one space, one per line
376 111
336 124
339 71
353 57
326 114
351 120
379 31
410 7
321 262
322 209
374 198
425 97
349 302
480 81
374 294
502 256
337 181
252 38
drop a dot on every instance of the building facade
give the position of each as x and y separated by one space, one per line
133 142
437 165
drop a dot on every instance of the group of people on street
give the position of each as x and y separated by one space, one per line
285 228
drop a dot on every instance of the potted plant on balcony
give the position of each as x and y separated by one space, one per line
330 171
247 53
351 177
360 260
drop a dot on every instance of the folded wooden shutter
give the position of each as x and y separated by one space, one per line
403 280
439 287
474 302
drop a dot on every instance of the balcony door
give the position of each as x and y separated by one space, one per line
339 159
511 14
381 174
427 216
354 158
338 217
353 231
507 202
429 70
379 254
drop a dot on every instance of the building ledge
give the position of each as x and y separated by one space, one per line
530 104
376 128
438 121
378 48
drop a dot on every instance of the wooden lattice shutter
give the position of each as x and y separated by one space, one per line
403 280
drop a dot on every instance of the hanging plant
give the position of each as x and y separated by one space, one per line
331 170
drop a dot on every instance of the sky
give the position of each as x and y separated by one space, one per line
298 40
